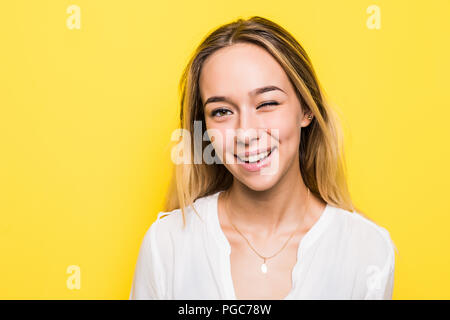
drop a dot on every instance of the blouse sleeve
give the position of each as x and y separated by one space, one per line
380 281
147 280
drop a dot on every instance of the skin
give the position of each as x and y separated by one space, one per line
267 209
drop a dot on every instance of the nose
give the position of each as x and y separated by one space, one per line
248 127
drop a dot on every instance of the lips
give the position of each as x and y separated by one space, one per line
257 165
251 153
254 156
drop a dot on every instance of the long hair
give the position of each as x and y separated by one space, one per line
322 160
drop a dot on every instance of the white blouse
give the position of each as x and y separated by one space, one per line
343 256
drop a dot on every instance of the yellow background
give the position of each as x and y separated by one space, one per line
86 117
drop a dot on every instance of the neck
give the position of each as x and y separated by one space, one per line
269 212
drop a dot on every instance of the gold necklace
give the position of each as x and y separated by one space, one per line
264 265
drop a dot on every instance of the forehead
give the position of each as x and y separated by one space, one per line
238 69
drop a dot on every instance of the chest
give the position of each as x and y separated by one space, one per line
248 279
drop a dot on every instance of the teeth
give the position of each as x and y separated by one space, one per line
256 157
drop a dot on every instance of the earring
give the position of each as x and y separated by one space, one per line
309 117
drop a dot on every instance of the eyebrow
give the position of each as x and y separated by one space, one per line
253 92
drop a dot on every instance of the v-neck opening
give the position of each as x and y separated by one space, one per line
310 236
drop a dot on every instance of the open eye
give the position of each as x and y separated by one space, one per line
221 110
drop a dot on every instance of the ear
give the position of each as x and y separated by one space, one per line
307 118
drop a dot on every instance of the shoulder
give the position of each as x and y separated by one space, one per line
170 226
372 254
177 221
170 235
368 240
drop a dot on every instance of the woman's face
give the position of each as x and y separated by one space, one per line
240 119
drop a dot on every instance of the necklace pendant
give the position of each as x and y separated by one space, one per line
264 268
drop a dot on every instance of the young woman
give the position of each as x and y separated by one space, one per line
272 217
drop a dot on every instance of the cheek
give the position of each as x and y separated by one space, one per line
289 141
287 127
290 132
220 142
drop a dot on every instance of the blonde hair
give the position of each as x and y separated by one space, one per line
322 161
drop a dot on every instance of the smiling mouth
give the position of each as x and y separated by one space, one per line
256 158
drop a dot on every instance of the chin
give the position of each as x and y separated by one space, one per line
259 187
258 182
